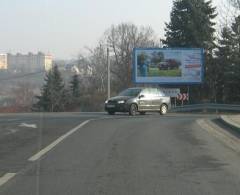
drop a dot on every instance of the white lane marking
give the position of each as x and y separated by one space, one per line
5 178
9 120
11 131
56 142
34 126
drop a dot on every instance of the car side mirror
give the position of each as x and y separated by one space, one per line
141 96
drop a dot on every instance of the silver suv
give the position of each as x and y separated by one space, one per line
140 100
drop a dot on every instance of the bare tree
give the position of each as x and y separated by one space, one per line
121 40
98 60
226 14
235 3
23 94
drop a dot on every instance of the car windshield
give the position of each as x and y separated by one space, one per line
130 92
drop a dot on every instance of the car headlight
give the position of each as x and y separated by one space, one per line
106 101
121 102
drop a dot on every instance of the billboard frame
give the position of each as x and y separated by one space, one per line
134 76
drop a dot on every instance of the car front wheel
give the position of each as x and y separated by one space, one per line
163 109
133 110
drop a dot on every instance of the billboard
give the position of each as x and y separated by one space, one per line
168 65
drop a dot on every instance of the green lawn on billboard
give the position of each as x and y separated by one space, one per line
155 72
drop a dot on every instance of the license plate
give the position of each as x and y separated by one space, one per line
110 106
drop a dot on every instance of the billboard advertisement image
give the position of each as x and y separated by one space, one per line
168 66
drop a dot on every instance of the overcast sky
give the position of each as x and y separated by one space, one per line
65 27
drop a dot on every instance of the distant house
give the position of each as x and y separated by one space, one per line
84 71
75 69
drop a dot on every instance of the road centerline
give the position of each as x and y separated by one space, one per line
57 141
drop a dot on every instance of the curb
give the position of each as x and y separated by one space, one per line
220 133
227 121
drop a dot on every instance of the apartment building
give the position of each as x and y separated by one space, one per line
29 62
3 62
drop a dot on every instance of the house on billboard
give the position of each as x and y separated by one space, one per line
169 64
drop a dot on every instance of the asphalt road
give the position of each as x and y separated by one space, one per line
115 155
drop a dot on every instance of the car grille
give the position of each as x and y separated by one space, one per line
112 102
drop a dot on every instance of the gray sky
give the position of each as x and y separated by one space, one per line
65 27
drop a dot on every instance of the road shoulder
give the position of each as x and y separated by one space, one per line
220 133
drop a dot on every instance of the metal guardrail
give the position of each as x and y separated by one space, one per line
206 107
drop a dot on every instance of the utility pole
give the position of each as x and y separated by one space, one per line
160 43
108 75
